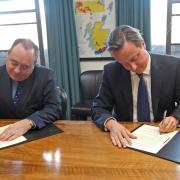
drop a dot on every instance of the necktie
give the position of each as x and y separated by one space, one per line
17 94
143 112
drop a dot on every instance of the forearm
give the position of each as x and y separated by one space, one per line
45 116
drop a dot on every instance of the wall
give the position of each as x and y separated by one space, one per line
85 65
93 65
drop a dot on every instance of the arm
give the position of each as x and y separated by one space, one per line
102 116
176 112
103 103
170 123
51 109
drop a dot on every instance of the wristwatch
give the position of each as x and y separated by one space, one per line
32 123
110 118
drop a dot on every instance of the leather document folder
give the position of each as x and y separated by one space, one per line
151 141
34 134
171 151
49 130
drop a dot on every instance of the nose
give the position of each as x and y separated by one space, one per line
133 67
17 69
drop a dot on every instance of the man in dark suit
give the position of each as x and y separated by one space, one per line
117 97
28 91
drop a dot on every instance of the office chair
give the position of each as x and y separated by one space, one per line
89 84
63 97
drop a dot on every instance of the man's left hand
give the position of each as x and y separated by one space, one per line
15 130
168 124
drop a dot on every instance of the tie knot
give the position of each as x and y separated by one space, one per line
140 75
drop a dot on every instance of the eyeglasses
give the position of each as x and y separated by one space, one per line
24 67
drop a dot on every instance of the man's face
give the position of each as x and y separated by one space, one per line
133 58
20 63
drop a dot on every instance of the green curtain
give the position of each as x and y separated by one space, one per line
135 13
63 48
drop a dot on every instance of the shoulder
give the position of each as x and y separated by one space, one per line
39 69
115 68
113 65
3 69
163 63
164 57
42 73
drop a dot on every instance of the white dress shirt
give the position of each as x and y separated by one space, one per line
135 84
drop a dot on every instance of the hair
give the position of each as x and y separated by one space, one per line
27 44
122 34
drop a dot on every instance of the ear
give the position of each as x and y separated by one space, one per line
143 45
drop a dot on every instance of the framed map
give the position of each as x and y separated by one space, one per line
95 19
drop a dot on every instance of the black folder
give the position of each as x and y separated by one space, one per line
49 130
35 134
171 151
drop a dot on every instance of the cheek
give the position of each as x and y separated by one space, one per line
9 69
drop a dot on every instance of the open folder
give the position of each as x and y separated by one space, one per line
31 135
150 140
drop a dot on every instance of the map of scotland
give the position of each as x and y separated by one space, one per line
94 21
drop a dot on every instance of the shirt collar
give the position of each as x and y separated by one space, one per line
148 67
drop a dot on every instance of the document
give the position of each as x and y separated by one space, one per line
9 143
149 139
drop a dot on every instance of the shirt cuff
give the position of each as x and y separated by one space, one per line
110 118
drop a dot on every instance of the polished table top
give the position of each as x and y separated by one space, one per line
82 151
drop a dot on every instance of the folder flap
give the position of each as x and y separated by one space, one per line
49 130
171 151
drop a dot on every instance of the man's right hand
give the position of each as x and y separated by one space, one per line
119 135
15 130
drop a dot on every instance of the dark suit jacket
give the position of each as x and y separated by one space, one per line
115 93
39 101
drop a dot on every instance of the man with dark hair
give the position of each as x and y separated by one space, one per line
138 86
28 91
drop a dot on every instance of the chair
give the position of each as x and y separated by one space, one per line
89 84
63 97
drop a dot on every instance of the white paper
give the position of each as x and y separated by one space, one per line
149 139
9 143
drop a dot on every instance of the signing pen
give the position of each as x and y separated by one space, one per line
165 113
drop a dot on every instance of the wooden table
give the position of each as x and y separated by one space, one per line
82 151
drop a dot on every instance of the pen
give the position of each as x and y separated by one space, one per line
161 124
165 113
164 116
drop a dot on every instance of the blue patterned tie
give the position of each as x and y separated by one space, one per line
17 94
143 111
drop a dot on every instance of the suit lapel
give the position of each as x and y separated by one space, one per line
26 86
155 83
127 92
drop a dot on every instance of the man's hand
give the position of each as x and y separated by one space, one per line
120 136
15 130
168 124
